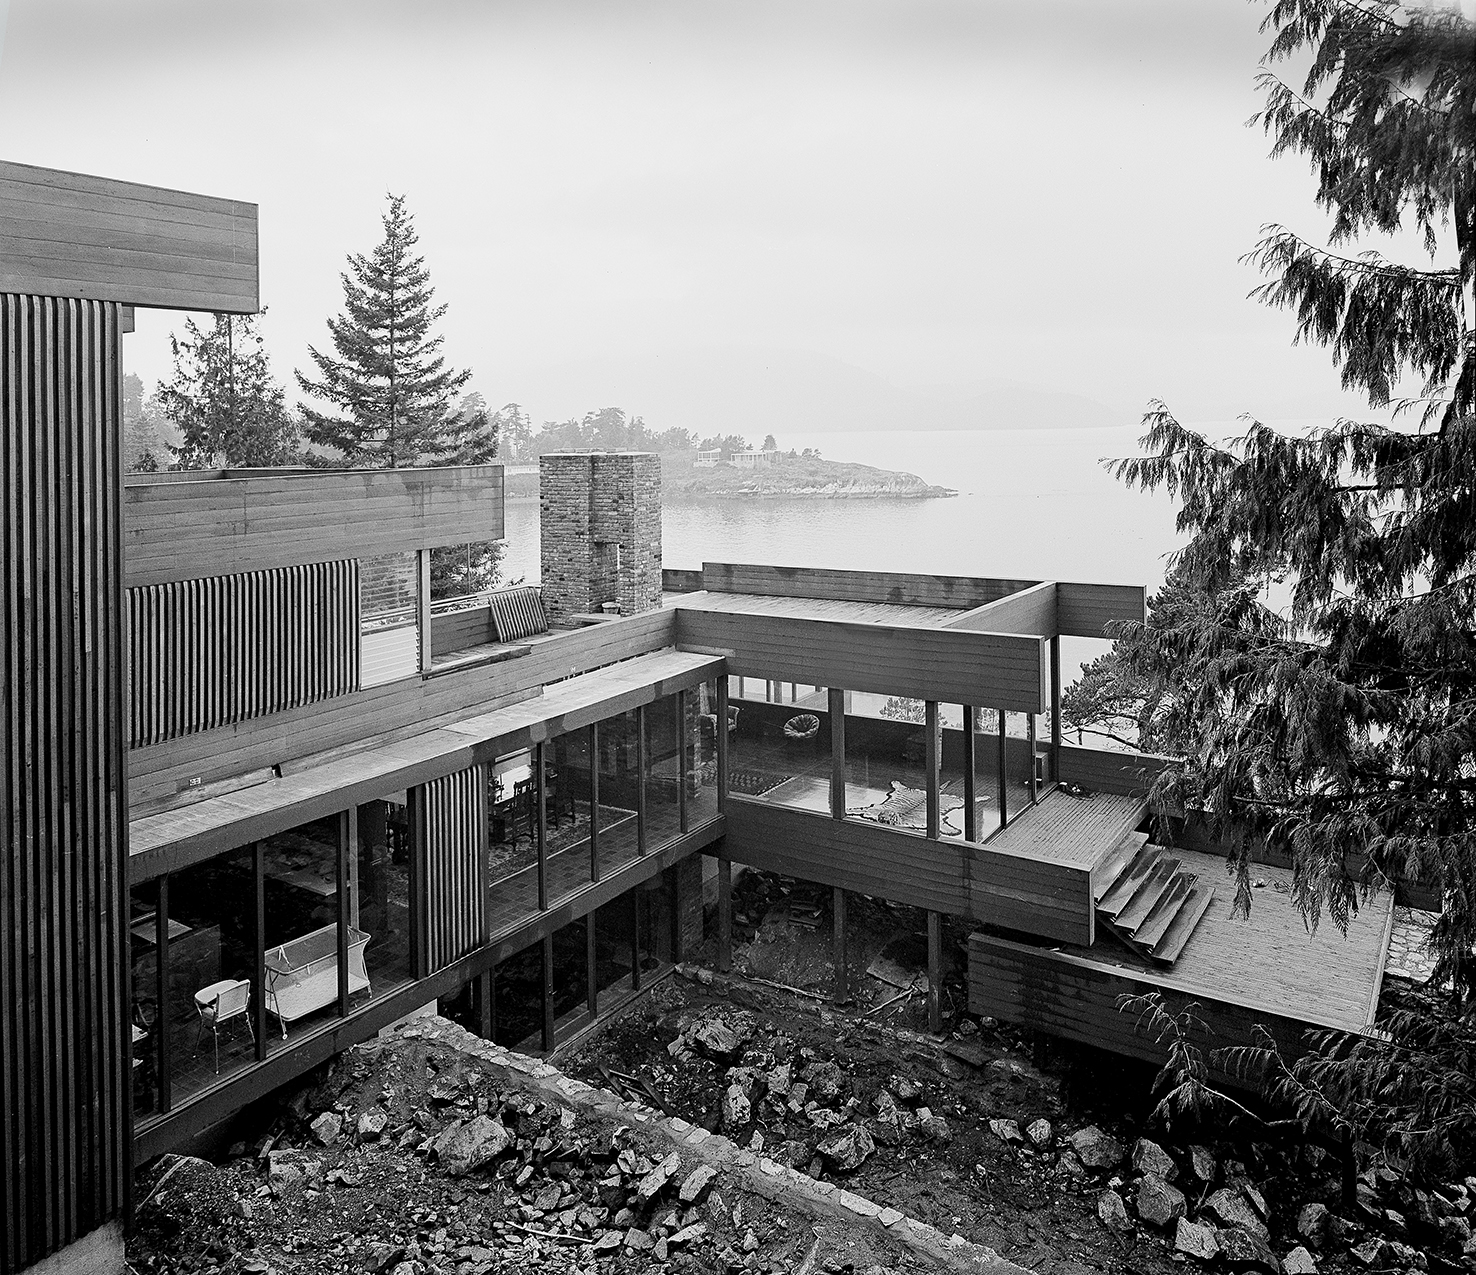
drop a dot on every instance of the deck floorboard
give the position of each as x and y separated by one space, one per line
1078 832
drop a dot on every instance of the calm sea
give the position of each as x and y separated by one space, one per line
1032 504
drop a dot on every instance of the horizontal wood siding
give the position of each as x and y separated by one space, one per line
403 707
1047 900
1085 610
1031 610
64 1035
903 588
457 630
69 235
1102 770
222 526
456 864
1077 1000
1001 670
205 653
680 580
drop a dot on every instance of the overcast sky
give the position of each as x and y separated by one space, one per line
932 192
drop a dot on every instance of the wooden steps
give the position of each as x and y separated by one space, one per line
1148 900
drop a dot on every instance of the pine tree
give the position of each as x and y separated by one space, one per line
1341 727
395 398
223 401
142 445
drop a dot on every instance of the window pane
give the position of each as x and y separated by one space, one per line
951 822
389 644
379 892
886 746
143 901
700 762
512 838
620 791
663 818
779 745
569 813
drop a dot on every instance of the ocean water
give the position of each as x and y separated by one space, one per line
1032 504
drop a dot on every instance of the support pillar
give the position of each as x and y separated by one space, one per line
932 756
1003 768
484 1003
423 607
935 972
591 983
725 914
1056 709
842 973
549 1035
971 794
837 753
722 744
540 793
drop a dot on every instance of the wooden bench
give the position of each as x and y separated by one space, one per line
302 974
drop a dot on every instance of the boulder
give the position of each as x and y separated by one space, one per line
1113 1212
1149 1157
1202 1164
779 1079
1231 1209
290 1168
696 1183
650 1186
1095 1149
1299 1262
1195 1239
1244 1251
886 1128
825 1080
1039 1132
1370 1253
848 1149
936 1129
904 1088
327 1128
713 1037
467 1145
737 1110
1006 1131
1158 1202
372 1124
1312 1223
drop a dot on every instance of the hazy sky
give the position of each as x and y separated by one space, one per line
934 192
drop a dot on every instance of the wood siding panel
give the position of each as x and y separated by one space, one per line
69 235
1031 610
1001 670
902 588
206 653
457 630
1103 770
456 864
397 708
64 1038
1048 900
226 526
1085 610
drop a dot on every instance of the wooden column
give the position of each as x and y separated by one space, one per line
673 906
931 753
549 1035
842 977
635 940
592 988
935 972
540 794
971 793
594 801
423 608
161 991
1030 781
258 926
345 829
1003 769
682 742
1056 709
643 764
837 699
484 1003
419 885
722 742
725 914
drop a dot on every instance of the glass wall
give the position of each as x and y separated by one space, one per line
569 812
952 812
379 892
148 1027
779 742
210 985
519 997
512 839
700 759
663 774
620 790
886 749
389 626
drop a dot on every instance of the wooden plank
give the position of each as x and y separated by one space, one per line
896 587
1005 670
1108 771
1085 610
71 235
1030 610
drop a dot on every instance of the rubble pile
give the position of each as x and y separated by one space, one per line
411 1159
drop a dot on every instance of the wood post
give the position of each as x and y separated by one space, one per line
161 991
345 827
643 764
258 925
682 743
419 892
548 994
842 974
722 744
935 972
932 750
635 940
837 700
1032 786
725 914
592 989
423 608
540 794
1004 816
484 1003
594 801
1056 709
674 906
971 795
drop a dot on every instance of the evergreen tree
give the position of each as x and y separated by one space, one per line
223 401
1341 727
142 446
395 399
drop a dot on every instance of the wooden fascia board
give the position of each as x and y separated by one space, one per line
1031 610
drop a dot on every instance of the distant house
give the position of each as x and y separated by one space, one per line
752 460
709 459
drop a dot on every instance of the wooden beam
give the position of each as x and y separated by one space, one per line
1085 610
935 972
484 1003
895 587
70 235
1031 610
837 700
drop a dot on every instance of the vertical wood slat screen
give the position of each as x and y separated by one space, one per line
206 653
64 1041
456 864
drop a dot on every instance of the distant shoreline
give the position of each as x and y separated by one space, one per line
786 478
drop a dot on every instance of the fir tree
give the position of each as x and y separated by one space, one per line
1341 726
395 398
142 446
223 401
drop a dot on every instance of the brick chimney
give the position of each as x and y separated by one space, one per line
600 520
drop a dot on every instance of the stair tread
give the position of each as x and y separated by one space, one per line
1120 893
1170 947
1148 895
1157 922
1118 858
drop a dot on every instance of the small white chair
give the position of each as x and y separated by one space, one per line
219 1003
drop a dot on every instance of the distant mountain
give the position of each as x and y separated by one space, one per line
757 392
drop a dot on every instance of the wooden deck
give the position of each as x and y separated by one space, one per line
848 610
1265 969
1073 832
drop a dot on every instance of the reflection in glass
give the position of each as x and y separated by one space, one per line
779 743
379 892
886 753
663 766
144 1012
620 791
569 813
700 759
